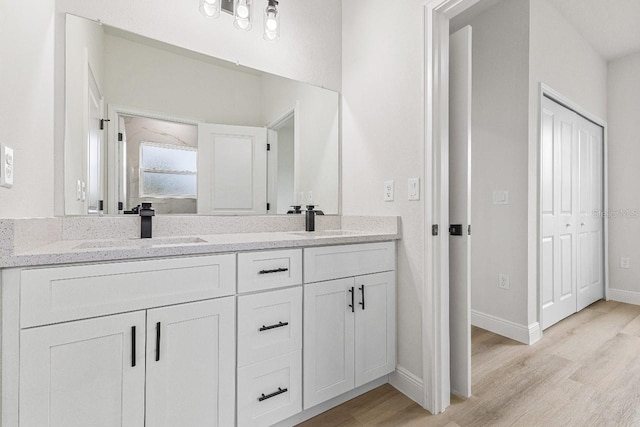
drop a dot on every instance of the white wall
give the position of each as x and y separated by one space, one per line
563 60
26 106
499 159
317 148
624 151
383 139
154 79
27 86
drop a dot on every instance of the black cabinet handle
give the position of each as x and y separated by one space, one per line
270 395
158 328
352 292
362 302
278 325
133 346
275 270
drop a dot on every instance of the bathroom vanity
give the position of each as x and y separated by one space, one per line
222 335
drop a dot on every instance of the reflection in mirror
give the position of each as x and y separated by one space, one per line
150 122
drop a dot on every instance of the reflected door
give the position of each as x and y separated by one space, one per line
232 170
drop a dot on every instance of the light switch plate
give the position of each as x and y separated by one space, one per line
500 197
625 262
414 189
7 168
388 191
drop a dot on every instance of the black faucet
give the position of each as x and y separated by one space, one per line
310 223
146 212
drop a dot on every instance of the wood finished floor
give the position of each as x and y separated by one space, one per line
584 372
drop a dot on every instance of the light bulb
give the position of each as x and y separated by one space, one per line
210 8
271 21
243 11
242 14
243 24
271 24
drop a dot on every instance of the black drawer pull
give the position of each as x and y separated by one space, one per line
275 270
278 325
275 393
362 303
133 346
351 306
158 329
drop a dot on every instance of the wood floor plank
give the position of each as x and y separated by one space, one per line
584 372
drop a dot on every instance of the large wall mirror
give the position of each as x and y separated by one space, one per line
150 122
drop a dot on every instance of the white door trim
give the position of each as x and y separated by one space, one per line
435 313
553 94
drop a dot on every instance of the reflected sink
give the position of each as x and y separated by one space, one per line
139 243
324 233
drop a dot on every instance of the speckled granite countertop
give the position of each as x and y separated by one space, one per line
70 251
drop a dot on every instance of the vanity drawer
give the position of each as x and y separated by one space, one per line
269 325
270 391
336 262
59 294
269 270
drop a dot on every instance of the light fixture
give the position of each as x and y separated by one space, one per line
271 21
210 8
242 14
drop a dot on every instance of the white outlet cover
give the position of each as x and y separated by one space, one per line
625 262
414 189
503 281
500 197
7 167
388 191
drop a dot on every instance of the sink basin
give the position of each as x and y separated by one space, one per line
324 233
139 243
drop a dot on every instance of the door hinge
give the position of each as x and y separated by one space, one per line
469 230
120 206
102 123
268 206
120 136
455 230
268 147
434 230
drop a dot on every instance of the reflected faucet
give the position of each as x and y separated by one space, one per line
146 213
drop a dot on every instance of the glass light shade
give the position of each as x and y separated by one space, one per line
242 14
271 22
210 8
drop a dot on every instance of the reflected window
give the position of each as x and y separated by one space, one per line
168 170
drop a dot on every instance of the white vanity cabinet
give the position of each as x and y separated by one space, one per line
349 323
158 366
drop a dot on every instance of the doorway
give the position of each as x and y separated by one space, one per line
281 156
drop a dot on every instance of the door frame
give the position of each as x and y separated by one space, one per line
435 303
272 161
113 148
546 91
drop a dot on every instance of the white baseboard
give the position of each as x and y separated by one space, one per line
408 384
332 403
628 297
524 334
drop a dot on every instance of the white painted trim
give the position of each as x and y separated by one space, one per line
435 313
408 384
521 333
560 98
332 403
10 346
629 297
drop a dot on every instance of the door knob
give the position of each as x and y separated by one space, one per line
567 225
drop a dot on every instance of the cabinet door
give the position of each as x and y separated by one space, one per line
375 335
82 373
328 340
191 364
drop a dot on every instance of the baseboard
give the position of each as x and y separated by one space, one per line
628 297
332 403
408 384
524 334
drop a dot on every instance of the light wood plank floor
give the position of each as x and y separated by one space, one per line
584 372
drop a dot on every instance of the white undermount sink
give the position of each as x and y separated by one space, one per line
323 233
139 243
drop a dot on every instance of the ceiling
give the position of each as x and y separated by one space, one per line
612 27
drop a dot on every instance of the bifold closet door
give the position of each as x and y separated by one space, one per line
572 185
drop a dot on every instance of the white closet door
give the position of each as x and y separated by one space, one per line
572 246
590 223
559 175
232 170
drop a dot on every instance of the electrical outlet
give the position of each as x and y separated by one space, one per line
414 189
310 197
78 190
388 191
500 197
6 166
625 262
83 195
503 281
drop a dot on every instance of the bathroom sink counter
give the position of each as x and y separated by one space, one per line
78 251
